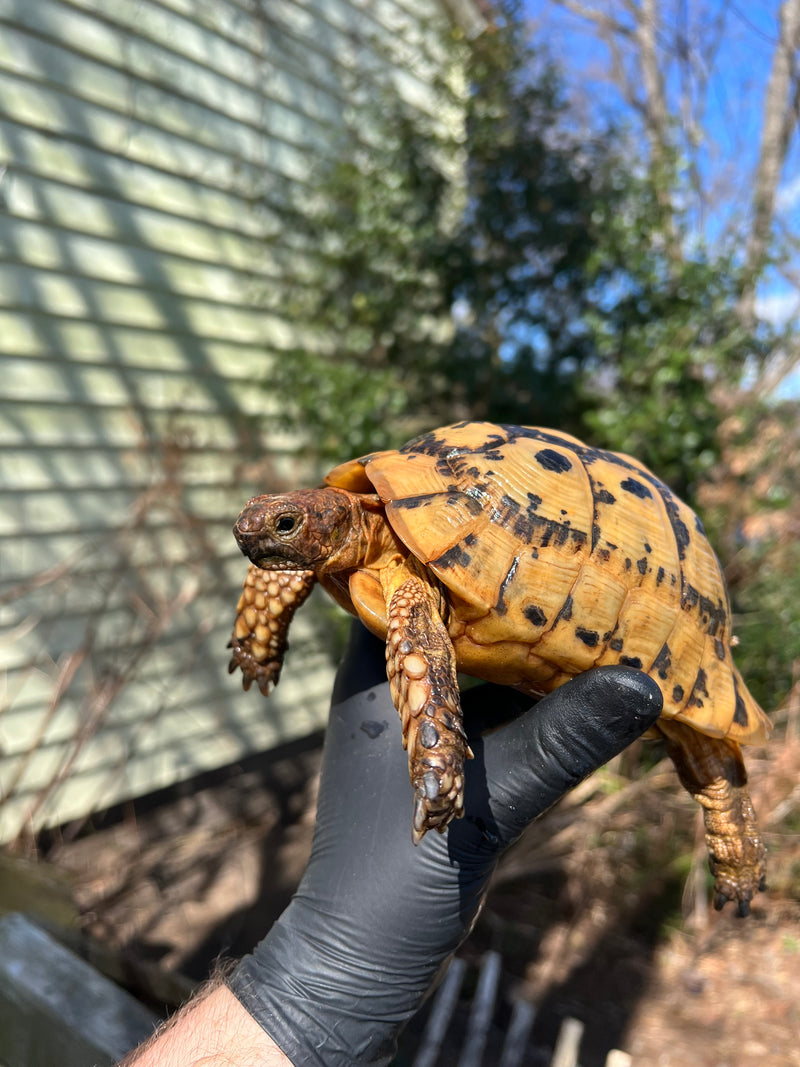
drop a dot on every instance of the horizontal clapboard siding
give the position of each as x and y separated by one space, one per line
146 147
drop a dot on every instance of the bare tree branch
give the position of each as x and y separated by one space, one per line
602 19
780 120
656 115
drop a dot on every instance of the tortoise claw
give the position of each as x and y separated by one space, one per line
433 809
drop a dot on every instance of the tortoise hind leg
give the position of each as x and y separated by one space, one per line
420 663
712 770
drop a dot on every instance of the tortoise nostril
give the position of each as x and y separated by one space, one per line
251 520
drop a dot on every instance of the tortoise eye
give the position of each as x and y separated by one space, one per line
286 524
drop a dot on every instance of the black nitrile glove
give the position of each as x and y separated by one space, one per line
375 918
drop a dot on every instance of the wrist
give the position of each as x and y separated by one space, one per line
213 1029
322 1006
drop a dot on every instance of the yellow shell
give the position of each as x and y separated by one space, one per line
557 557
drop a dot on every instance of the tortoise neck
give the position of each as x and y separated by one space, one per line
370 538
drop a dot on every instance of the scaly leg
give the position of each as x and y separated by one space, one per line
265 609
712 770
420 663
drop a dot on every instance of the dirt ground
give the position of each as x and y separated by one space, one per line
599 913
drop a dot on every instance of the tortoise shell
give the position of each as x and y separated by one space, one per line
558 557
524 557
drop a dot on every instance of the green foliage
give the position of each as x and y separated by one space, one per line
669 341
767 621
510 268
456 263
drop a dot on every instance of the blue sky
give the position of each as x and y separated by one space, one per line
734 101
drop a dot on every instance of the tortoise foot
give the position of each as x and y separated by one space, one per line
420 664
737 856
712 770
266 607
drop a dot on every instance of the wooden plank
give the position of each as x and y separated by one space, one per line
568 1044
617 1058
515 1043
55 1008
480 1016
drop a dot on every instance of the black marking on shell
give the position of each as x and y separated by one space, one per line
549 531
637 480
677 694
714 616
477 492
717 614
679 528
501 607
565 614
523 527
453 557
553 461
699 690
648 547
412 502
615 644
429 444
599 496
719 648
641 565
636 488
589 637
740 711
690 597
534 615
663 662
698 525
630 661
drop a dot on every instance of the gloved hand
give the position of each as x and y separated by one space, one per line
375 918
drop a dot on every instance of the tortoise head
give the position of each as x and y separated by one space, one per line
297 531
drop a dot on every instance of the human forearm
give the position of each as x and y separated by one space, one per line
213 1030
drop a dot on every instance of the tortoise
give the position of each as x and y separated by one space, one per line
521 556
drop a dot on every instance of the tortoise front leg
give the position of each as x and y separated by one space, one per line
420 664
266 607
712 770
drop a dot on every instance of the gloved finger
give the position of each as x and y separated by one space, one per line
536 755
523 768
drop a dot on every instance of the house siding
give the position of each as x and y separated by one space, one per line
141 247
